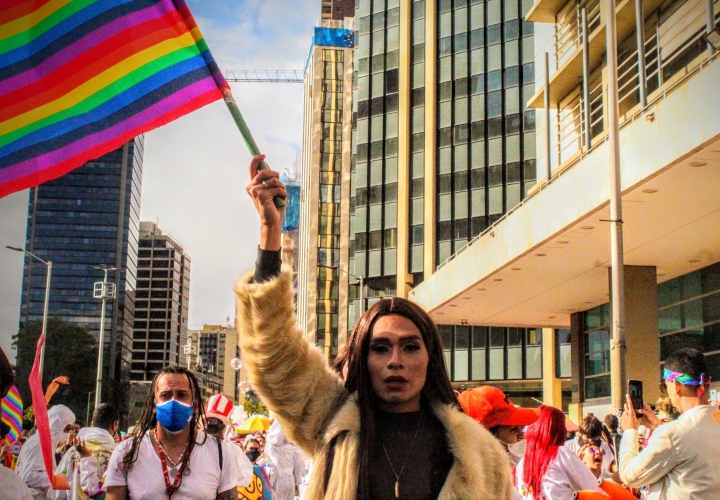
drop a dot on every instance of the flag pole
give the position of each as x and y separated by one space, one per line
246 135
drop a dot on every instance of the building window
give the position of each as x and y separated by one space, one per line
562 353
597 352
689 315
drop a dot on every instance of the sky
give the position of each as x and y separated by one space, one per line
195 169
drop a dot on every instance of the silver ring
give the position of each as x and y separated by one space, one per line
266 184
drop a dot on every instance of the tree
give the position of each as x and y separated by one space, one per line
69 350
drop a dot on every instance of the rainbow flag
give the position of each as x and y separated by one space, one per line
12 414
78 78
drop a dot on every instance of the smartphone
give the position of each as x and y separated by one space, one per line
14 449
635 390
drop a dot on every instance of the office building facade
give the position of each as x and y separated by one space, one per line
87 218
444 146
325 199
161 305
211 351
547 262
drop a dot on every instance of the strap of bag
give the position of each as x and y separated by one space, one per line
220 453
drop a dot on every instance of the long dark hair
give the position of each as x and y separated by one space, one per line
148 422
437 387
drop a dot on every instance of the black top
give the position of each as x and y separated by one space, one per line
267 265
428 460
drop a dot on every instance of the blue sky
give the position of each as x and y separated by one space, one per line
195 168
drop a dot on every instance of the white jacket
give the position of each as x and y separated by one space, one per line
680 461
30 464
287 459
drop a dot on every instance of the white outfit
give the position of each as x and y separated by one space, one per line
288 461
242 467
146 481
608 455
86 475
563 477
11 486
680 462
30 464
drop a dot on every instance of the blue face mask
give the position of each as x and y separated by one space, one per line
173 415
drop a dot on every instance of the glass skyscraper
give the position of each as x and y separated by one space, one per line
86 218
444 145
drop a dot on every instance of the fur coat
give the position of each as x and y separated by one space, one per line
295 382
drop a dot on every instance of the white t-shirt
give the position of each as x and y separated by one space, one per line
146 480
11 486
564 476
234 457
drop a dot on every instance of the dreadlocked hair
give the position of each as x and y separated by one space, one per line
437 387
148 421
544 438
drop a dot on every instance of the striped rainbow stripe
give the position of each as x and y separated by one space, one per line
78 78
12 414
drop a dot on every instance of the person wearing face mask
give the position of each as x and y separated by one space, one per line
217 414
31 465
259 488
170 455
493 409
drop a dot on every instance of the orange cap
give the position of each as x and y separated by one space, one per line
490 406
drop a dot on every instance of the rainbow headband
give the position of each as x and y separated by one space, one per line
669 376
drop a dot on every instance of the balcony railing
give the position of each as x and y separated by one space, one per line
568 28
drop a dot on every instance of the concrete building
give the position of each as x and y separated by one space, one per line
87 218
546 262
162 302
325 200
212 349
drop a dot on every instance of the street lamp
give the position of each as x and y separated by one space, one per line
47 300
87 413
361 283
102 290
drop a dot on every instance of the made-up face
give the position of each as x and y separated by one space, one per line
397 362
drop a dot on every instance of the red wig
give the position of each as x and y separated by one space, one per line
544 437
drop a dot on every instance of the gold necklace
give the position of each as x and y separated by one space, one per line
397 476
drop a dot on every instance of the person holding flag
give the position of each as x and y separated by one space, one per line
31 465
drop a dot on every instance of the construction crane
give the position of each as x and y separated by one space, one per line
264 75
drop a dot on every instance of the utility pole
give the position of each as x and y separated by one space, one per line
103 290
617 270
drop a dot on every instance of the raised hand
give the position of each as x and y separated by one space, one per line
264 185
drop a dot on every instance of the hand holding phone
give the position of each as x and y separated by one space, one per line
14 449
635 390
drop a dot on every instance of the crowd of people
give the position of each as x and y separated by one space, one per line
383 422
